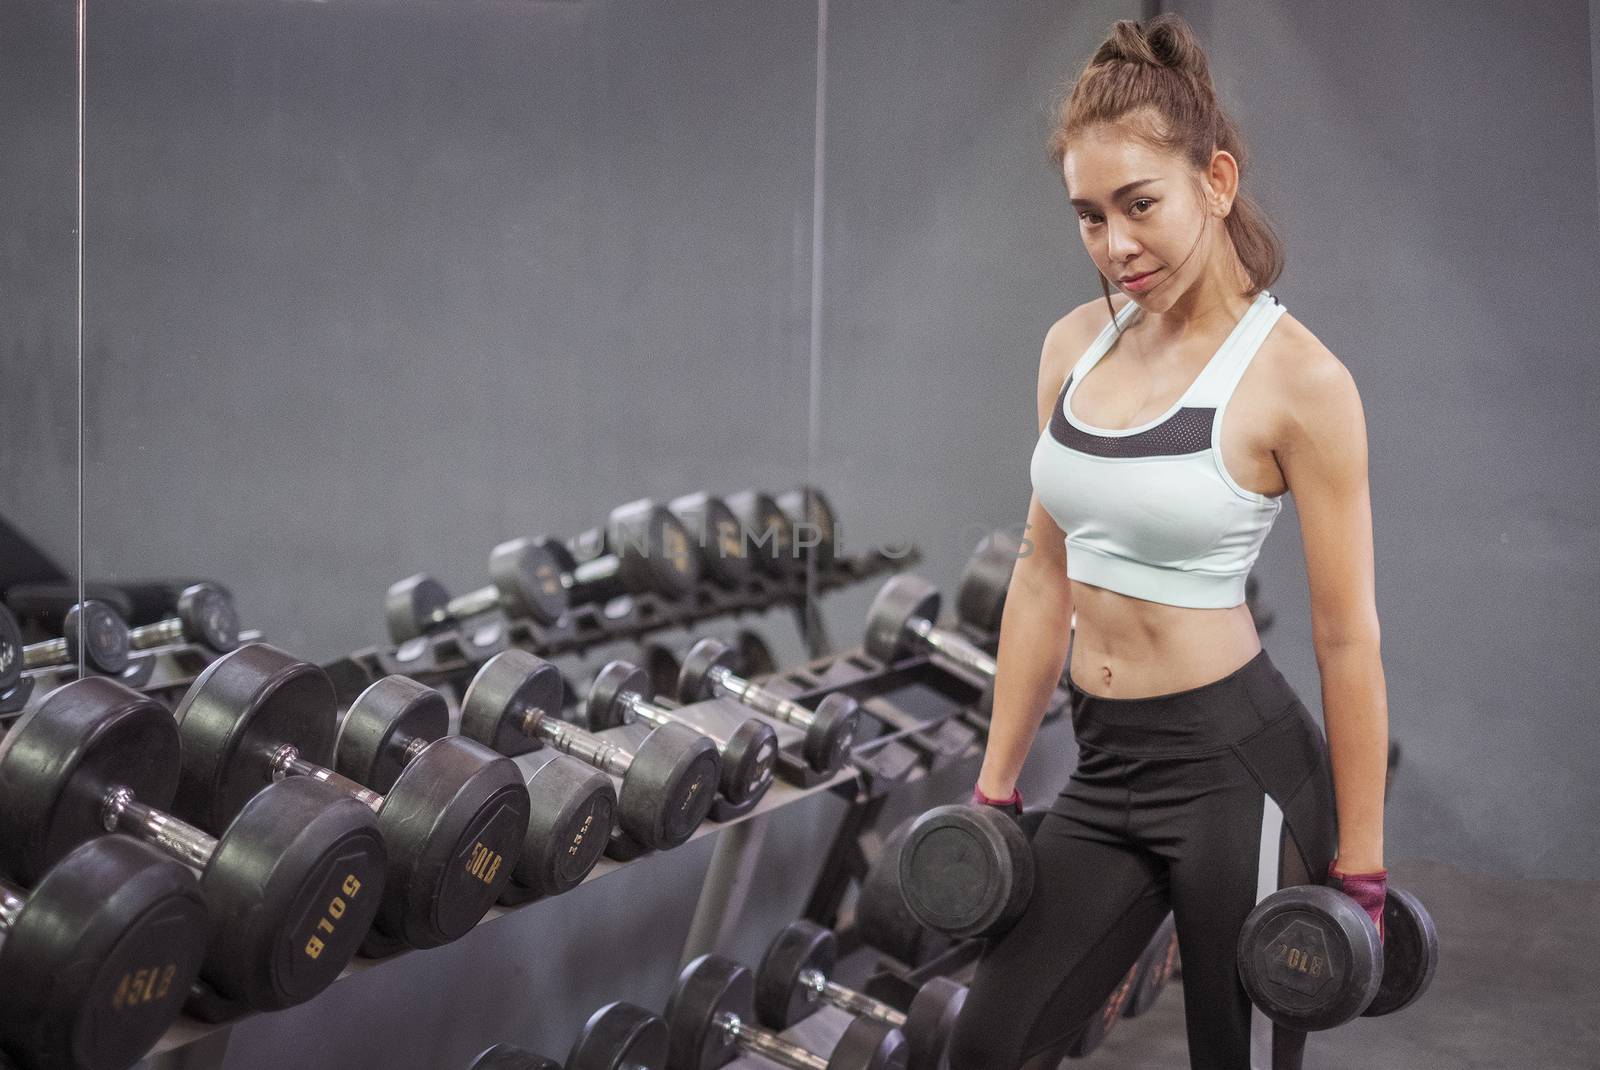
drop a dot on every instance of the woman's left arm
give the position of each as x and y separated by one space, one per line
1323 456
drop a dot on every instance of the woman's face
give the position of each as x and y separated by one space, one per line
1139 212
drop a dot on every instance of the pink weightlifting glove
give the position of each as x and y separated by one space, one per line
1369 890
1012 804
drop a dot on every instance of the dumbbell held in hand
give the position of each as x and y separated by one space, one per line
1310 957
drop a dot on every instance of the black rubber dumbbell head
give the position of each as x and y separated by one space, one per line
621 1036
99 962
653 550
966 871
574 807
780 998
1309 958
670 787
528 575
58 760
832 732
768 533
868 1044
454 815
234 717
412 605
694 682
900 600
501 694
209 616
296 882
1410 953
715 533
95 630
811 507
707 988
981 595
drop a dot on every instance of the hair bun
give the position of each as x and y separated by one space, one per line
1164 41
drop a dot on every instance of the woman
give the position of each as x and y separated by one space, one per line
1173 417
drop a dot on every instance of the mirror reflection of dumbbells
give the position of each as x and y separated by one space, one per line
830 729
793 981
452 813
711 1019
716 536
815 525
97 959
618 1036
537 578
668 783
621 693
204 616
769 534
91 632
643 548
291 884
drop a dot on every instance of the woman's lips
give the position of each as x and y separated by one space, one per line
1139 282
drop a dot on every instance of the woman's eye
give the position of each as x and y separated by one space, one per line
1143 200
1090 217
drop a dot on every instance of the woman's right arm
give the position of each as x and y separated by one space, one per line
1035 627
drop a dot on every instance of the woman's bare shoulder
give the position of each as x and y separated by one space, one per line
1073 333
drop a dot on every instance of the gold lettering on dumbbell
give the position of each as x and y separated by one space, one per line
331 914
549 579
728 539
483 863
694 789
676 548
145 985
578 837
1300 960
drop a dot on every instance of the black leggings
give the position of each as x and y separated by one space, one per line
1200 802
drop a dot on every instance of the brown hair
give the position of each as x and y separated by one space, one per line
1162 67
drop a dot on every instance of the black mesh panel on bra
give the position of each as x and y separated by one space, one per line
1186 431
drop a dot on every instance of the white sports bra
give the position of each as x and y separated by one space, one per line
1150 511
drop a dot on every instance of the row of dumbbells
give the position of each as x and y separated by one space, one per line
313 836
645 547
719 1011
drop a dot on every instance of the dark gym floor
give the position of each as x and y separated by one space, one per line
1518 986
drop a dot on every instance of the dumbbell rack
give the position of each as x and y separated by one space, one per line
919 718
